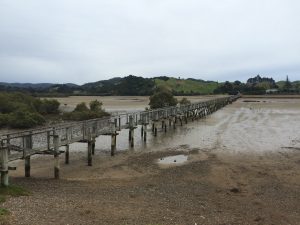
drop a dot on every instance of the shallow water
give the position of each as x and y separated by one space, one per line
270 125
173 160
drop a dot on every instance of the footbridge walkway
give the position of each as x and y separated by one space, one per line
22 145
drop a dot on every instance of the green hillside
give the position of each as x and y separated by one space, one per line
188 86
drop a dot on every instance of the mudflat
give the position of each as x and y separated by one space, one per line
120 103
242 166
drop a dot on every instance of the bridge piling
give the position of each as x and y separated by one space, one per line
67 154
132 139
56 155
94 135
113 144
89 148
145 133
142 130
165 127
4 167
28 146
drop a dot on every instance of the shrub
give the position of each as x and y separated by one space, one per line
82 112
81 107
96 106
3 120
184 101
47 106
25 119
162 97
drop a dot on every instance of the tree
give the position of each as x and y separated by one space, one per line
96 106
162 97
287 84
81 107
184 101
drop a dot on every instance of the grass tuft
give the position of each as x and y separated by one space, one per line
4 212
13 191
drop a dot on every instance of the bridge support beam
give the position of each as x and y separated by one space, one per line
145 132
56 156
132 138
4 167
27 145
174 123
89 153
113 144
142 130
67 154
27 166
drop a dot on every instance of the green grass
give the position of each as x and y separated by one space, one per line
188 86
3 212
13 191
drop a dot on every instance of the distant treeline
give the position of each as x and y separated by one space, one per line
259 86
139 86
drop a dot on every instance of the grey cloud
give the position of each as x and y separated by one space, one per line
83 41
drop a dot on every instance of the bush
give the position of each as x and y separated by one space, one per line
3 120
25 119
82 112
96 106
184 101
162 97
81 107
47 106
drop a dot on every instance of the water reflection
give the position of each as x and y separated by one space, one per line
176 159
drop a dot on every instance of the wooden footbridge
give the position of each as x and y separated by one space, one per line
23 145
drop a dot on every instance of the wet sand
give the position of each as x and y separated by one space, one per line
119 103
243 167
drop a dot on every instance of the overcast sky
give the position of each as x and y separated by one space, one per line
82 41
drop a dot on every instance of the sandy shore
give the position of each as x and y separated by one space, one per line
243 167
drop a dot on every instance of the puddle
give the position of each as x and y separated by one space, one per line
170 160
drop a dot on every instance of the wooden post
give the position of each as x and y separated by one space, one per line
90 152
145 133
174 123
8 143
132 139
131 130
119 123
4 167
136 119
94 137
56 156
48 140
129 134
67 154
113 144
142 130
116 123
28 146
